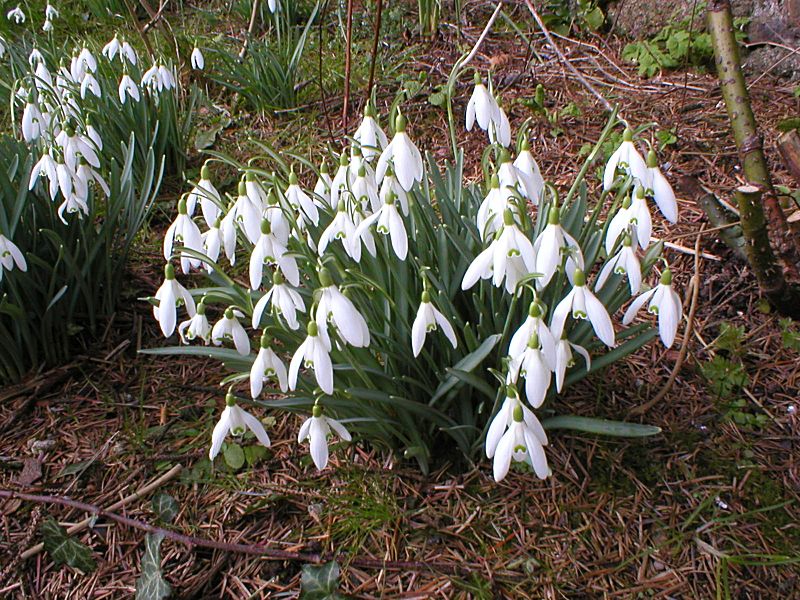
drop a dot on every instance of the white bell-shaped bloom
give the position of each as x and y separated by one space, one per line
369 135
151 79
301 201
267 366
47 167
167 77
316 430
269 250
247 214
583 304
48 25
183 231
482 107
337 309
90 84
16 15
490 213
197 60
197 327
564 359
229 330
534 323
213 240
94 135
390 185
227 228
50 12
127 51
516 434
365 191
661 191
342 181
128 89
389 222
10 255
75 146
341 228
508 177
272 5
535 366
640 219
111 49
207 196
664 302
405 157
551 245
235 421
322 189
32 122
500 128
87 175
314 354
429 319
529 174
170 296
285 301
625 158
625 263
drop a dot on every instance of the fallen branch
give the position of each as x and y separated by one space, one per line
253 549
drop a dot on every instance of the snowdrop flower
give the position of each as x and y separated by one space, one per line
127 89
46 166
341 228
16 15
285 301
342 181
269 250
85 62
87 175
549 247
534 323
337 309
389 223
74 146
500 128
152 79
365 191
50 12
267 366
207 195
313 353
48 25
369 134
121 47
10 255
316 430
510 257
247 214
665 303
659 188
523 441
90 84
626 158
111 49
167 78
490 213
429 319
583 304
482 107
235 421
170 296
227 228
504 418
300 201
529 173
508 177
273 5
405 156
213 241
32 121
564 359
276 214
322 189
623 263
197 60
183 231
228 329
389 186
535 366
197 327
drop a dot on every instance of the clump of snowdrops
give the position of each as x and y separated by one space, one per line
93 133
384 296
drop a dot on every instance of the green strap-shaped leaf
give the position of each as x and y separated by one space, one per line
600 426
466 364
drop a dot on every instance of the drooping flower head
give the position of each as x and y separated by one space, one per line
235 421
316 430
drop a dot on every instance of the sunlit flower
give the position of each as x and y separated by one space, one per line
390 185
341 228
365 191
197 60
47 167
482 107
213 240
10 255
313 354
500 128
316 430
87 175
183 231
300 201
627 159
369 134
529 173
228 329
197 327
284 299
337 309
170 296
50 12
583 304
534 323
265 367
127 89
625 263
551 245
269 250
389 222
342 181
16 15
75 146
664 302
90 84
404 155
207 195
659 188
32 121
235 421
516 434
227 228
429 319
490 213
247 214
322 189
535 366
564 359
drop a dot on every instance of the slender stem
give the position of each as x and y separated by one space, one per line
375 40
250 29
347 61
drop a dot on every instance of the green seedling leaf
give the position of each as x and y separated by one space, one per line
320 583
166 507
234 456
151 584
65 550
600 426
255 454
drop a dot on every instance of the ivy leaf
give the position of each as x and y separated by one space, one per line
320 583
151 585
166 507
65 550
